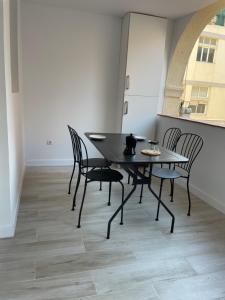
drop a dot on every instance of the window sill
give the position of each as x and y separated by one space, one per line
206 62
218 124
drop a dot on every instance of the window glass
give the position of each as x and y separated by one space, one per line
201 108
206 49
204 54
194 92
193 108
211 55
199 92
203 92
199 54
197 108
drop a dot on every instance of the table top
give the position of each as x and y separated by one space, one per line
113 146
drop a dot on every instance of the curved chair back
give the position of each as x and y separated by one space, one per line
73 134
82 154
79 149
189 145
171 137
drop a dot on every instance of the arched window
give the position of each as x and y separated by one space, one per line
204 80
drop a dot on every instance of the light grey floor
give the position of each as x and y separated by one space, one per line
50 258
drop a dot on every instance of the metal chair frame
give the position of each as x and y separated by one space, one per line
74 158
190 146
170 139
84 170
73 133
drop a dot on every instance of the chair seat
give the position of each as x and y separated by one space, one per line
165 173
105 175
96 163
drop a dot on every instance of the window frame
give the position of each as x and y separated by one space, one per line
208 46
196 103
199 97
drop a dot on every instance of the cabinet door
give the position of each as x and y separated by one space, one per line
145 56
141 116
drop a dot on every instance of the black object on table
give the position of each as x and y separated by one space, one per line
112 149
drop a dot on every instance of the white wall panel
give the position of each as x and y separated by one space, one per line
71 68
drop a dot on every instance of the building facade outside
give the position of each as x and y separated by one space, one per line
204 80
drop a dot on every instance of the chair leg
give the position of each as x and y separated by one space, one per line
171 187
110 187
142 187
189 198
160 193
172 190
141 194
100 186
76 189
82 203
121 220
71 177
128 181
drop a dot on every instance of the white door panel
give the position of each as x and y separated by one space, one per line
141 116
145 57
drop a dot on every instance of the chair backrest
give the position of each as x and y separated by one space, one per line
189 145
171 137
73 134
79 148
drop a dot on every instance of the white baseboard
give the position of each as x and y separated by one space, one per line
49 162
9 230
209 199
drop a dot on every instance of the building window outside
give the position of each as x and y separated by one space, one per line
199 99
206 49
204 78
200 92
197 107
220 18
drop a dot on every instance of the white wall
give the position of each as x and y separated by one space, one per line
71 67
208 173
4 158
11 148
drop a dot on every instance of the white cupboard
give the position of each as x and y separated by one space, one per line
141 68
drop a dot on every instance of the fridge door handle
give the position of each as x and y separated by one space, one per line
125 108
127 82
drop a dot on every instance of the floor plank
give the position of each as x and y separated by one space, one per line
50 258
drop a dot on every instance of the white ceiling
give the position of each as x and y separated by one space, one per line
164 8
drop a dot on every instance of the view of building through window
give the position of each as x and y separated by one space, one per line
204 80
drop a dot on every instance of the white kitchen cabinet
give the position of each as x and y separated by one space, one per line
141 69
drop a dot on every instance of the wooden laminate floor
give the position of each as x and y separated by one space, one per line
50 258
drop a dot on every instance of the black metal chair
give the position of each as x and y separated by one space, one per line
92 163
170 139
188 145
95 174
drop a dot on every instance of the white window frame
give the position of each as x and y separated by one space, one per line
204 44
198 94
196 103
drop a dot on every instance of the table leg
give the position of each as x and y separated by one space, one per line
166 208
159 200
119 209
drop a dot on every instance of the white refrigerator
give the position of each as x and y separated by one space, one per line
141 70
